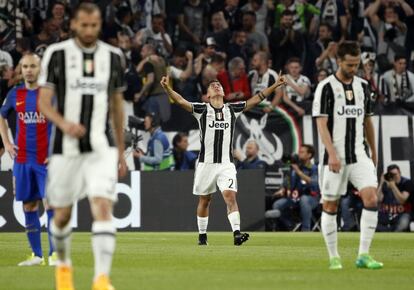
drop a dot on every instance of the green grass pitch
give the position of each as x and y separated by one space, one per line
173 261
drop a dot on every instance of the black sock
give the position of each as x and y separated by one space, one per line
235 233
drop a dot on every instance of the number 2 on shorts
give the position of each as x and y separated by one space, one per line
231 183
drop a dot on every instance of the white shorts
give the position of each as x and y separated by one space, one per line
71 178
362 174
209 176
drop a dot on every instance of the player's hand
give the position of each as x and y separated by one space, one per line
301 112
334 163
122 167
189 55
11 149
165 81
73 130
281 80
138 153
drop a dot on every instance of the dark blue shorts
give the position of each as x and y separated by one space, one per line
30 181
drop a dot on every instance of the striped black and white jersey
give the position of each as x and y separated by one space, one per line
84 80
216 130
346 106
260 82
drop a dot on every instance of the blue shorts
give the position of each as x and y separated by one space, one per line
30 181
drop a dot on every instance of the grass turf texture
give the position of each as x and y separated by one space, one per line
174 261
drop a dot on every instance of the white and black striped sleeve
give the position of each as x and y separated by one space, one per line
368 97
117 78
238 108
323 101
198 109
49 72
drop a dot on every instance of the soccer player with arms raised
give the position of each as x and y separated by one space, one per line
343 109
215 162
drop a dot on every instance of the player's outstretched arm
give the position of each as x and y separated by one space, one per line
45 106
258 98
370 133
334 162
186 105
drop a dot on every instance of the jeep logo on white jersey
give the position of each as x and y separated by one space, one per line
219 125
88 86
350 111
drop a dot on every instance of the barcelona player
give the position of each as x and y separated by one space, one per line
30 152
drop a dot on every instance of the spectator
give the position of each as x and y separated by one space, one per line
252 160
317 47
152 96
301 11
59 15
297 87
208 54
238 47
220 31
48 35
233 14
397 84
192 22
333 13
184 159
368 71
391 33
327 59
255 40
261 77
260 9
320 76
394 195
181 72
156 36
235 81
158 156
286 42
302 192
6 61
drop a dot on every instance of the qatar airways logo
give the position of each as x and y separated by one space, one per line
32 117
88 86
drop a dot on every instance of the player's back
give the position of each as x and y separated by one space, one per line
84 81
346 106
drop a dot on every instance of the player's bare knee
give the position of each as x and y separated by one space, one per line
62 217
204 201
31 206
101 209
330 206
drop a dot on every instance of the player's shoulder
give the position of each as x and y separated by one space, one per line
59 45
199 108
327 82
110 48
14 89
360 80
272 72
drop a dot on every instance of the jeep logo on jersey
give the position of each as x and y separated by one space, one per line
32 117
219 125
88 86
350 111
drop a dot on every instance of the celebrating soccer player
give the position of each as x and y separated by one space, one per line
29 152
215 163
86 75
342 107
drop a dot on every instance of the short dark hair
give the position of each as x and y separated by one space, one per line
250 13
217 58
348 47
87 7
310 149
288 12
327 25
293 59
159 16
397 57
213 81
392 167
178 137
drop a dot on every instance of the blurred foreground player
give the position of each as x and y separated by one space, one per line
215 163
29 151
342 108
86 75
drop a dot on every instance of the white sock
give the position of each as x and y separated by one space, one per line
202 223
62 240
103 245
369 220
330 233
234 219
